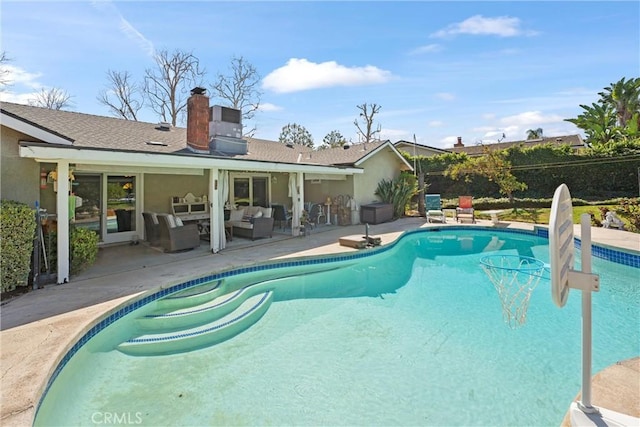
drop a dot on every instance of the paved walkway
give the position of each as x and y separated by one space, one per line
39 327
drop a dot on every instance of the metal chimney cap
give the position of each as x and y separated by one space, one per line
198 90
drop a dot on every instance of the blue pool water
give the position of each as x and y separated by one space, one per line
411 335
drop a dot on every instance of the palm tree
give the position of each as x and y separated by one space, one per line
534 134
624 98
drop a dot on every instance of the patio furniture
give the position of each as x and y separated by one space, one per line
175 236
465 209
376 213
281 215
315 213
251 222
433 206
151 228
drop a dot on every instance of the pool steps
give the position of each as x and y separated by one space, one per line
217 331
203 316
192 296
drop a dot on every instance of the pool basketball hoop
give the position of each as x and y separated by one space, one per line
514 277
564 278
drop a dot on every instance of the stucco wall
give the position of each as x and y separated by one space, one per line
384 165
318 193
159 188
19 178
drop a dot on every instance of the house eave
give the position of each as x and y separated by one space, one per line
32 129
43 153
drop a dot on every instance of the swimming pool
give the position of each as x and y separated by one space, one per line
410 334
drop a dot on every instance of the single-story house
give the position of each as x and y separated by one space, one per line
83 169
415 149
575 142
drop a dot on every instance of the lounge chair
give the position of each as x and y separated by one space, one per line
433 206
465 209
175 236
151 228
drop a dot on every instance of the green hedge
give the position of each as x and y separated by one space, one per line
589 174
17 232
83 249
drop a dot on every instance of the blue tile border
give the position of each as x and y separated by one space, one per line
614 255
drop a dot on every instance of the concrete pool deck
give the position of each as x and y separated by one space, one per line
38 328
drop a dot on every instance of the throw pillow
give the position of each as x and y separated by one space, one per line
236 215
179 222
257 214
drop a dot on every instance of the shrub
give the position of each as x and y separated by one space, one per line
630 209
17 231
83 249
397 192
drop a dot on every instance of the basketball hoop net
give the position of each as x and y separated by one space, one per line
514 277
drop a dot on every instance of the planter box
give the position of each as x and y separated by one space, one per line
376 213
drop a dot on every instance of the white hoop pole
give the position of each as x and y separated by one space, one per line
585 401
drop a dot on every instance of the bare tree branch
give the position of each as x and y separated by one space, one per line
240 89
53 98
123 97
5 79
368 135
167 86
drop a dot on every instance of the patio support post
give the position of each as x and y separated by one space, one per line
214 210
300 184
62 210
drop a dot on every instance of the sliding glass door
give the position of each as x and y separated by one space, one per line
250 190
106 204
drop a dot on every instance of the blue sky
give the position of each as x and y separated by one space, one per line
439 70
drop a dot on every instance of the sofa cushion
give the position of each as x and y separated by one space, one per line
243 224
266 212
257 214
179 222
236 215
172 221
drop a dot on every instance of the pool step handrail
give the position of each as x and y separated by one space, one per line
222 329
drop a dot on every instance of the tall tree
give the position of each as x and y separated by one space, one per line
493 165
534 133
123 97
615 117
624 97
333 139
167 86
295 134
5 78
367 113
240 90
598 122
53 98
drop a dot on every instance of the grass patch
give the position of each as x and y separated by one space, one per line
541 215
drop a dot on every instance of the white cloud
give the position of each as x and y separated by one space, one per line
18 76
135 35
502 26
17 98
445 96
449 141
301 74
489 116
125 26
430 48
266 106
435 123
530 118
393 134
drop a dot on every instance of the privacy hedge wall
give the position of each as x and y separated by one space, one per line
591 174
